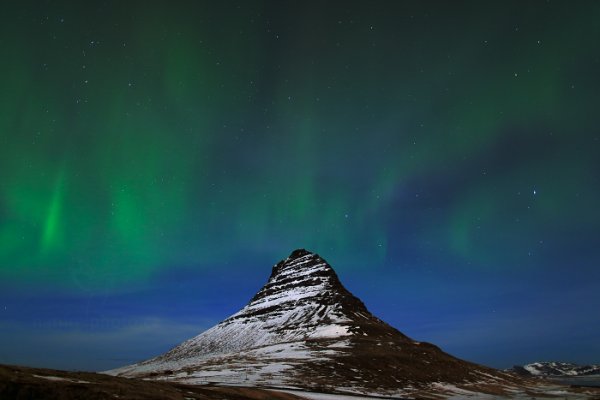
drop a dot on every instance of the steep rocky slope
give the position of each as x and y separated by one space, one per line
303 329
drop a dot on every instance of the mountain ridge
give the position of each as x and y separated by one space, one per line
556 369
304 329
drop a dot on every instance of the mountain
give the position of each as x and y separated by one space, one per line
556 369
303 329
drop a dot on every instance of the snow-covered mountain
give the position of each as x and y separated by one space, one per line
303 329
557 369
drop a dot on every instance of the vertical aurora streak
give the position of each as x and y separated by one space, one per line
52 237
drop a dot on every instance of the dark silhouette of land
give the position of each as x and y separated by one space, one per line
22 383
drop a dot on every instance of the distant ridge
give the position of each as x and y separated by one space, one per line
556 369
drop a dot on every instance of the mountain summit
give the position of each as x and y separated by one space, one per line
303 329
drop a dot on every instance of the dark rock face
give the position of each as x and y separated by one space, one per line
305 329
303 270
517 369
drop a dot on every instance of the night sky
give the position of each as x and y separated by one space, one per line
157 158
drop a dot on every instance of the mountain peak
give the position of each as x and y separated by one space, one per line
299 253
301 277
299 267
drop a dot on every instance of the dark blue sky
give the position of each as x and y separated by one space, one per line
156 159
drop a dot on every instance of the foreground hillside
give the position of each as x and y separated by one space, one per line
21 383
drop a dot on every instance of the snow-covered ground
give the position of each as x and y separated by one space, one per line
324 396
59 379
452 392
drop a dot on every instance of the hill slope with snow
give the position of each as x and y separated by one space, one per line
303 329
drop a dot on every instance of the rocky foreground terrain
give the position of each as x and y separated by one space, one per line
21 383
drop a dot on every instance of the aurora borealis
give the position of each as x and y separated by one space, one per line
156 158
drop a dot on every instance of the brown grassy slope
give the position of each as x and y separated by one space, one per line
18 383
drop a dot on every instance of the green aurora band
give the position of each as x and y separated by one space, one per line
141 136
